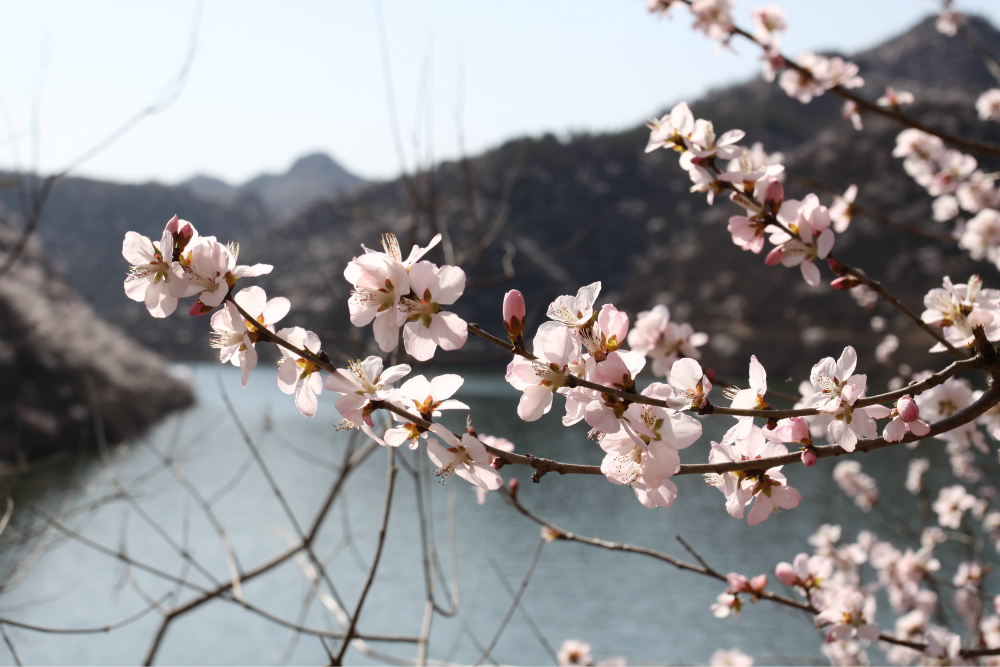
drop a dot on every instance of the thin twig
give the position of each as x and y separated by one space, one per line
389 487
513 605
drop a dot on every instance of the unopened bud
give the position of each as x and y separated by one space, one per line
774 257
183 232
200 309
908 410
786 574
513 316
513 486
845 283
809 457
774 196
835 266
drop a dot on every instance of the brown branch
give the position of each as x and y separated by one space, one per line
629 548
898 305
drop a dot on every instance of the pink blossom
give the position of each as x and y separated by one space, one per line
380 282
843 210
390 244
556 349
574 652
605 411
691 387
731 658
644 454
466 458
606 334
713 17
211 270
793 429
850 112
154 278
575 311
943 645
748 233
768 20
428 399
799 85
663 341
804 571
850 615
906 418
231 335
981 236
513 316
297 375
703 144
988 105
748 399
856 484
951 505
948 22
810 221
359 384
915 473
835 383
727 604
893 98
672 130
770 488
428 326
959 308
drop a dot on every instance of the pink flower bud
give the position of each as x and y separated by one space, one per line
183 232
200 309
786 574
513 314
513 486
809 457
908 409
835 266
758 583
774 196
737 582
845 283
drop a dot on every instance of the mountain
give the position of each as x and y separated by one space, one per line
312 178
563 213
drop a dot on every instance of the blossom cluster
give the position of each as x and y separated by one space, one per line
801 231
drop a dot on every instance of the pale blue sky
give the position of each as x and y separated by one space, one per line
274 80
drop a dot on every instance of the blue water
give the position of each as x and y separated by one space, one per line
622 604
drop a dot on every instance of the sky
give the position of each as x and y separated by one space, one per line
271 81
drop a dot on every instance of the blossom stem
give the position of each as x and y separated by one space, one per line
876 287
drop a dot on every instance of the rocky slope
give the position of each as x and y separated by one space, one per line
69 380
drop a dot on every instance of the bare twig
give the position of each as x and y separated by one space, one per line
389 487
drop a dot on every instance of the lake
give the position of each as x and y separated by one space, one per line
622 604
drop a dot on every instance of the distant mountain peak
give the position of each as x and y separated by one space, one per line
311 178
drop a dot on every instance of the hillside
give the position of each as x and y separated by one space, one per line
597 207
593 207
